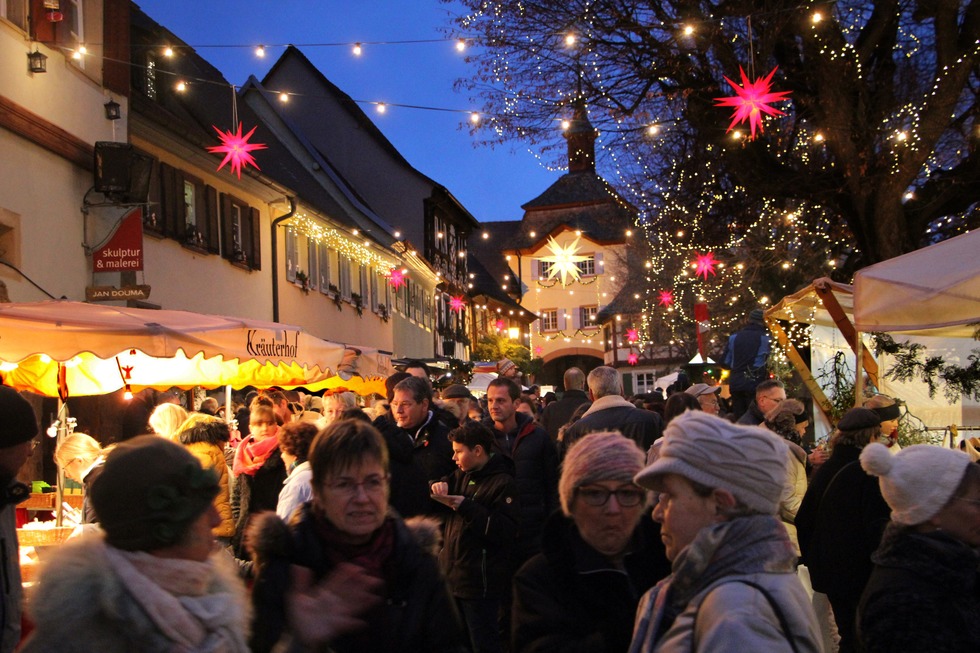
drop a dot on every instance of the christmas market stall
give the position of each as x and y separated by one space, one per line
919 312
63 348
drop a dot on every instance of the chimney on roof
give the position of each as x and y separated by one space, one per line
581 137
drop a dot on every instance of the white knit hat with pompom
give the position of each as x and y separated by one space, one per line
917 481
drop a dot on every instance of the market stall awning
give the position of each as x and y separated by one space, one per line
91 349
936 287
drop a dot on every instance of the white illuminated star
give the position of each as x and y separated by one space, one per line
564 261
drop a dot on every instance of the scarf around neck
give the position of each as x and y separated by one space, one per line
370 556
251 455
176 596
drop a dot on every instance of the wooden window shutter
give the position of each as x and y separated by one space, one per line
212 219
255 236
598 263
227 239
171 201
535 269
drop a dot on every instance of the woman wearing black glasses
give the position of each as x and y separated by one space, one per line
599 555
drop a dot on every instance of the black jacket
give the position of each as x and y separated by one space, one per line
640 425
480 534
843 517
255 494
923 595
557 413
417 613
570 599
414 460
536 471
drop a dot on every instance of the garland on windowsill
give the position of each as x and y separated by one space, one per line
338 302
577 332
358 303
912 363
557 282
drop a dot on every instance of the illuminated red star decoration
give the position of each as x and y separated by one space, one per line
666 298
236 149
704 264
396 278
456 304
500 325
632 359
752 99
632 335
538 350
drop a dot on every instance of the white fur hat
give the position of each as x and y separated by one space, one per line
917 481
748 461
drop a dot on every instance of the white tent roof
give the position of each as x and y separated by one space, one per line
937 287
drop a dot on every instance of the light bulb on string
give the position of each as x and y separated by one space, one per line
460 45
260 51
168 51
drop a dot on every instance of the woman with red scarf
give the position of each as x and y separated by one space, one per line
259 473
347 554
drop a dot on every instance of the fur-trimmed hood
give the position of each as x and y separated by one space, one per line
79 604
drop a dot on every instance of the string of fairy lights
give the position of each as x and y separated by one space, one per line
634 150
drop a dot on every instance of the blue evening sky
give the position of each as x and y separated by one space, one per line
491 183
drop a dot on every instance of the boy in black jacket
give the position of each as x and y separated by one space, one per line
480 533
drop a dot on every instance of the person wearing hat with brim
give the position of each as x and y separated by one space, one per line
733 585
924 591
153 580
707 396
841 519
456 399
18 427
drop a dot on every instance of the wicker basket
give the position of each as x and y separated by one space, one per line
43 536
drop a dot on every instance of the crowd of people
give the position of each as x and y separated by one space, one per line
432 520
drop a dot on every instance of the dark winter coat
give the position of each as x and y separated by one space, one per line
745 355
753 416
417 613
923 595
569 598
841 528
255 494
480 534
640 425
536 471
557 413
415 459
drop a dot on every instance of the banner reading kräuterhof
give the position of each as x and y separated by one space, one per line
124 251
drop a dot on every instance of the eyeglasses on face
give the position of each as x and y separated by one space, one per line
598 496
372 485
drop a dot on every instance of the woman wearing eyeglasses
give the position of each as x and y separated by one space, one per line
924 591
350 571
599 555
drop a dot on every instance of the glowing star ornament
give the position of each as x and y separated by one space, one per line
705 264
456 304
564 261
632 335
500 325
633 359
396 279
538 350
236 149
666 298
752 99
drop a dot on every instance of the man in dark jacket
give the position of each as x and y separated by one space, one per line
768 395
517 436
479 535
746 355
557 413
841 520
611 412
418 448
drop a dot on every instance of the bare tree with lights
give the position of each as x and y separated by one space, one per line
875 156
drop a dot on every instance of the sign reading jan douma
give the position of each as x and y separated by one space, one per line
111 293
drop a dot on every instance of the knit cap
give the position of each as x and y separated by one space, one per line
606 456
917 481
756 315
748 461
18 424
504 365
149 493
